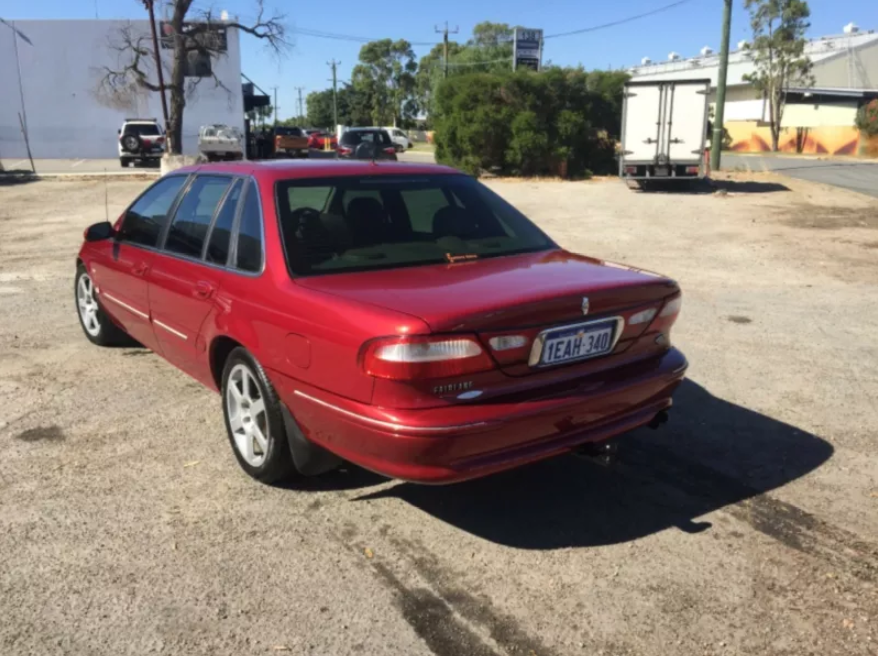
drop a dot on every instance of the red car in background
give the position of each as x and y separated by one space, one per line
319 140
403 317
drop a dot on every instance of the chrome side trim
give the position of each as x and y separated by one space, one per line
169 329
387 424
536 351
115 300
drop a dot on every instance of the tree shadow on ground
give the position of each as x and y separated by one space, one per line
16 177
711 186
711 454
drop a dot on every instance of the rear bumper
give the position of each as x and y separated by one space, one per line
459 442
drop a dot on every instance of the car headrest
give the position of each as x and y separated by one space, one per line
453 221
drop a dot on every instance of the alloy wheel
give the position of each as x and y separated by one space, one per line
247 417
88 305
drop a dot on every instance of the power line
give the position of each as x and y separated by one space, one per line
621 21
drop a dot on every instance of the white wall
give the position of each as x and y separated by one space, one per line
67 117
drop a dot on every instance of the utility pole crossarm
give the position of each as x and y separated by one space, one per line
445 32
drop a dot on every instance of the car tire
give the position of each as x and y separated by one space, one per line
124 161
258 437
99 329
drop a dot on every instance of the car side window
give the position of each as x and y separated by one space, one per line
193 216
221 233
249 247
146 218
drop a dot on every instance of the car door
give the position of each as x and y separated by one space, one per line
122 264
185 274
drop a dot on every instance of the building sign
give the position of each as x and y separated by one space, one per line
527 48
212 37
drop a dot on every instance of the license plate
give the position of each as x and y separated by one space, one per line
577 343
662 171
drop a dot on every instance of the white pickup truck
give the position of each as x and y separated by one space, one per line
664 128
218 142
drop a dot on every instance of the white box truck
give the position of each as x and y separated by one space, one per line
664 127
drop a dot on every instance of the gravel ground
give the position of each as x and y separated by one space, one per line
747 525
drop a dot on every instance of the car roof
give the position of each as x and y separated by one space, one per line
288 169
365 130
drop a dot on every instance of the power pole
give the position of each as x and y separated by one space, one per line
158 60
716 145
334 64
274 109
301 111
444 32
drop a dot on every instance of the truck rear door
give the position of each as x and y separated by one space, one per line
641 124
686 121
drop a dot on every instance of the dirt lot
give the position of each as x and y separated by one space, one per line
747 525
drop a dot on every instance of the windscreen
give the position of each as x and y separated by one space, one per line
335 225
356 137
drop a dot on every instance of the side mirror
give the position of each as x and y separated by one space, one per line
99 231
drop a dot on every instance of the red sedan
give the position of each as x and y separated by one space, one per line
402 317
319 140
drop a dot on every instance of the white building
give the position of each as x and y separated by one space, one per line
60 64
845 70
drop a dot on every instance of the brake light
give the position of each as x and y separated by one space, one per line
692 169
160 140
389 151
344 151
415 358
672 307
630 170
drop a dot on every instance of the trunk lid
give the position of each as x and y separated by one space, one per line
520 295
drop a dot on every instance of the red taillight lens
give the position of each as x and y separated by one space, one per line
389 151
667 315
692 170
631 170
344 151
415 358
160 140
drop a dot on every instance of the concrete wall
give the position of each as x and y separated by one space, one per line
67 116
840 113
857 71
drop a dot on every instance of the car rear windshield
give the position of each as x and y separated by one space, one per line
142 129
356 137
288 132
343 224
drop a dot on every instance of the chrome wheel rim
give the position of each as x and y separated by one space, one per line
247 417
88 306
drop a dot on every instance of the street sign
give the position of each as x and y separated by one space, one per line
527 48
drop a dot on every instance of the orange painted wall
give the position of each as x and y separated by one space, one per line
755 137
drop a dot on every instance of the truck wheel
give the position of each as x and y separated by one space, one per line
124 162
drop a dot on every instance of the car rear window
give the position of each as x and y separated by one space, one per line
288 132
356 137
143 129
335 225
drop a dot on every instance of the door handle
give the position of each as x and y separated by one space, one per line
203 290
140 269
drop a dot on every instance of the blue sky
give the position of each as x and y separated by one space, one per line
684 29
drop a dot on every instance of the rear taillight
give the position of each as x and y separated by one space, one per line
344 151
672 307
667 315
416 358
160 140
692 170
389 151
630 170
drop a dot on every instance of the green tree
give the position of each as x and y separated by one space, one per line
386 75
867 118
260 115
777 51
319 104
524 124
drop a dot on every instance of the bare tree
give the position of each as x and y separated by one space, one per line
191 35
